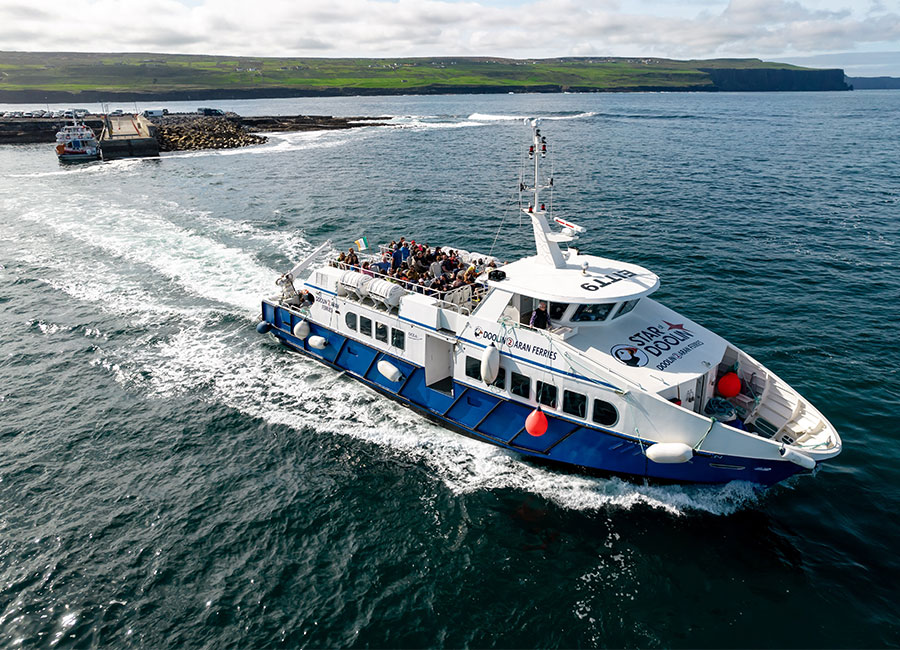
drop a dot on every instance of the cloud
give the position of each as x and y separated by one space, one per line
527 28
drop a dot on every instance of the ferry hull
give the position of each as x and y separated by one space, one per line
492 419
78 157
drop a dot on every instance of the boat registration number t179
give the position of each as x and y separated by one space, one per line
606 280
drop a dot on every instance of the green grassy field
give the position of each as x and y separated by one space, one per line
157 73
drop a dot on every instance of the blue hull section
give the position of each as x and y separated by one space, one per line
490 418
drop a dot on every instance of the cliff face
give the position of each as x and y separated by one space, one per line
775 79
873 83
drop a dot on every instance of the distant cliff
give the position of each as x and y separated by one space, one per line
873 83
43 77
775 79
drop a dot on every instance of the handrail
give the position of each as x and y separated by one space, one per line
443 297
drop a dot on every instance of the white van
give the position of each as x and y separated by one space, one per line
153 112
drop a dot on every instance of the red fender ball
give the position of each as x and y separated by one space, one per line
536 423
729 385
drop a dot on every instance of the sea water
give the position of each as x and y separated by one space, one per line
169 478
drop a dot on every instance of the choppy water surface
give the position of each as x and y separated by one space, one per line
168 478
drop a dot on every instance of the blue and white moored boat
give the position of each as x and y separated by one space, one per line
614 381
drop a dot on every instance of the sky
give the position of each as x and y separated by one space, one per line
860 36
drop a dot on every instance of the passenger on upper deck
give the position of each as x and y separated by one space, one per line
539 318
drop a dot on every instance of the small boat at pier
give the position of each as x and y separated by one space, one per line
560 356
76 142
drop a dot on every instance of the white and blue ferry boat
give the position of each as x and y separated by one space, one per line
602 378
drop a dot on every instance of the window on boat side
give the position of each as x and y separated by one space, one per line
350 319
626 307
574 404
546 394
381 332
500 381
520 385
605 413
365 326
557 309
592 313
398 338
473 368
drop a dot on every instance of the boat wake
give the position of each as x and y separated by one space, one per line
194 300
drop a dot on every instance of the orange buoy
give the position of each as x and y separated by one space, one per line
729 385
536 423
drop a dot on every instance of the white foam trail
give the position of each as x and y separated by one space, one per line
105 167
201 265
421 125
282 142
488 117
579 116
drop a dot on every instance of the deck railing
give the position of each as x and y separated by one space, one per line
458 299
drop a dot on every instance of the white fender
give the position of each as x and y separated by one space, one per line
669 452
490 364
318 342
797 458
301 329
390 371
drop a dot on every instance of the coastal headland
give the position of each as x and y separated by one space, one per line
40 77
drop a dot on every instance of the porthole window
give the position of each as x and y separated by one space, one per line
365 326
350 319
574 404
381 332
546 394
520 385
605 413
473 368
398 338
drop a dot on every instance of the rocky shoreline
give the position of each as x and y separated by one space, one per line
189 131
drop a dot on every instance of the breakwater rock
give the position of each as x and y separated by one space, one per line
187 132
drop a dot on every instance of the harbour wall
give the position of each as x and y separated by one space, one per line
178 132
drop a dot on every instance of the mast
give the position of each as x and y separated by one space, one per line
545 241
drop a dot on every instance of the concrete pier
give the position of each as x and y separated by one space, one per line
128 136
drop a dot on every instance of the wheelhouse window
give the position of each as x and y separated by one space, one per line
626 307
473 368
365 326
574 404
605 413
381 332
546 394
520 385
398 338
592 313
350 319
557 309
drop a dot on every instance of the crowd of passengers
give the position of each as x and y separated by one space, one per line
418 267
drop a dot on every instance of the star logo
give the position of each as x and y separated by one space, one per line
673 326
